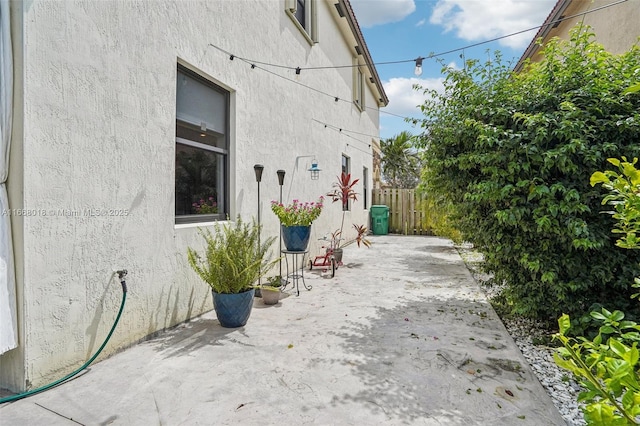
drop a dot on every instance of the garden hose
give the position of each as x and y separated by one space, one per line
121 275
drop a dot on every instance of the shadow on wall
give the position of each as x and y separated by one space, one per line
239 206
168 317
112 310
166 314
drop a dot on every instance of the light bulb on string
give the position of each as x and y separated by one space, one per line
418 70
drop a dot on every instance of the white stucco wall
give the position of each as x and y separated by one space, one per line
99 88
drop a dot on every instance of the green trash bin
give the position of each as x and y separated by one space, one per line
380 220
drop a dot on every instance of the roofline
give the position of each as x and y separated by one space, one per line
355 28
543 32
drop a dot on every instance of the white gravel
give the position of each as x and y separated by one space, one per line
558 382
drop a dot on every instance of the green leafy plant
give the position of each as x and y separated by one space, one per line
437 218
511 155
232 260
273 283
624 196
607 368
400 162
608 364
297 213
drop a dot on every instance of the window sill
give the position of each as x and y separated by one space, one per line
300 27
199 224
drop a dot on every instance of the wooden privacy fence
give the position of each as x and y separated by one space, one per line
408 211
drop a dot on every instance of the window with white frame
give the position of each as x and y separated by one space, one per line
358 87
365 188
202 149
303 14
346 167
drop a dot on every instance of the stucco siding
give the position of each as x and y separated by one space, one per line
98 150
615 27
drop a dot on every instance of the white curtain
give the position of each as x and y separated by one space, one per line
8 314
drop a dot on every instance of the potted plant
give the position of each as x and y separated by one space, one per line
231 263
343 191
271 291
209 206
336 243
295 220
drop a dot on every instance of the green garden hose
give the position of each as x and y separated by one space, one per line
121 275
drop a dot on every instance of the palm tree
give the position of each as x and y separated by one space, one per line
400 163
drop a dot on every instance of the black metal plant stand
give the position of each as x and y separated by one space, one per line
297 271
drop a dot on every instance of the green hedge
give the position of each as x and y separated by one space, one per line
513 153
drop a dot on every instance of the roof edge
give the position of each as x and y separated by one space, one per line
355 28
543 31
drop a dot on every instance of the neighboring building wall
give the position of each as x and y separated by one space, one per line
97 131
615 27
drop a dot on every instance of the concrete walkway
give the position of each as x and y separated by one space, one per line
401 335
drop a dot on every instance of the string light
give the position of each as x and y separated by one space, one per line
339 130
358 149
417 61
418 70
348 131
435 55
334 97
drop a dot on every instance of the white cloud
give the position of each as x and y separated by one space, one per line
475 20
403 99
370 13
421 22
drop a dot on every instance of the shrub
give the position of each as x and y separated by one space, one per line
607 364
513 154
607 368
233 258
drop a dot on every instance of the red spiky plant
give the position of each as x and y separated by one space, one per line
343 191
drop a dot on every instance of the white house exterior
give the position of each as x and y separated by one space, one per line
109 100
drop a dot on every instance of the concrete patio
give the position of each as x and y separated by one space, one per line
401 335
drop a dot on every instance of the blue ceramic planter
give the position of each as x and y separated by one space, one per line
296 238
233 310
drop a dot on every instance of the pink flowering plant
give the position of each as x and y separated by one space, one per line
206 206
297 213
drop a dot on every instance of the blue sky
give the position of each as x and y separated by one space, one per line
396 30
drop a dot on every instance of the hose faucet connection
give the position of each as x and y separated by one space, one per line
121 274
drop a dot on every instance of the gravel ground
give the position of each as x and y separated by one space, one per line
562 389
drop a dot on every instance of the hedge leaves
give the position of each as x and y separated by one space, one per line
513 153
